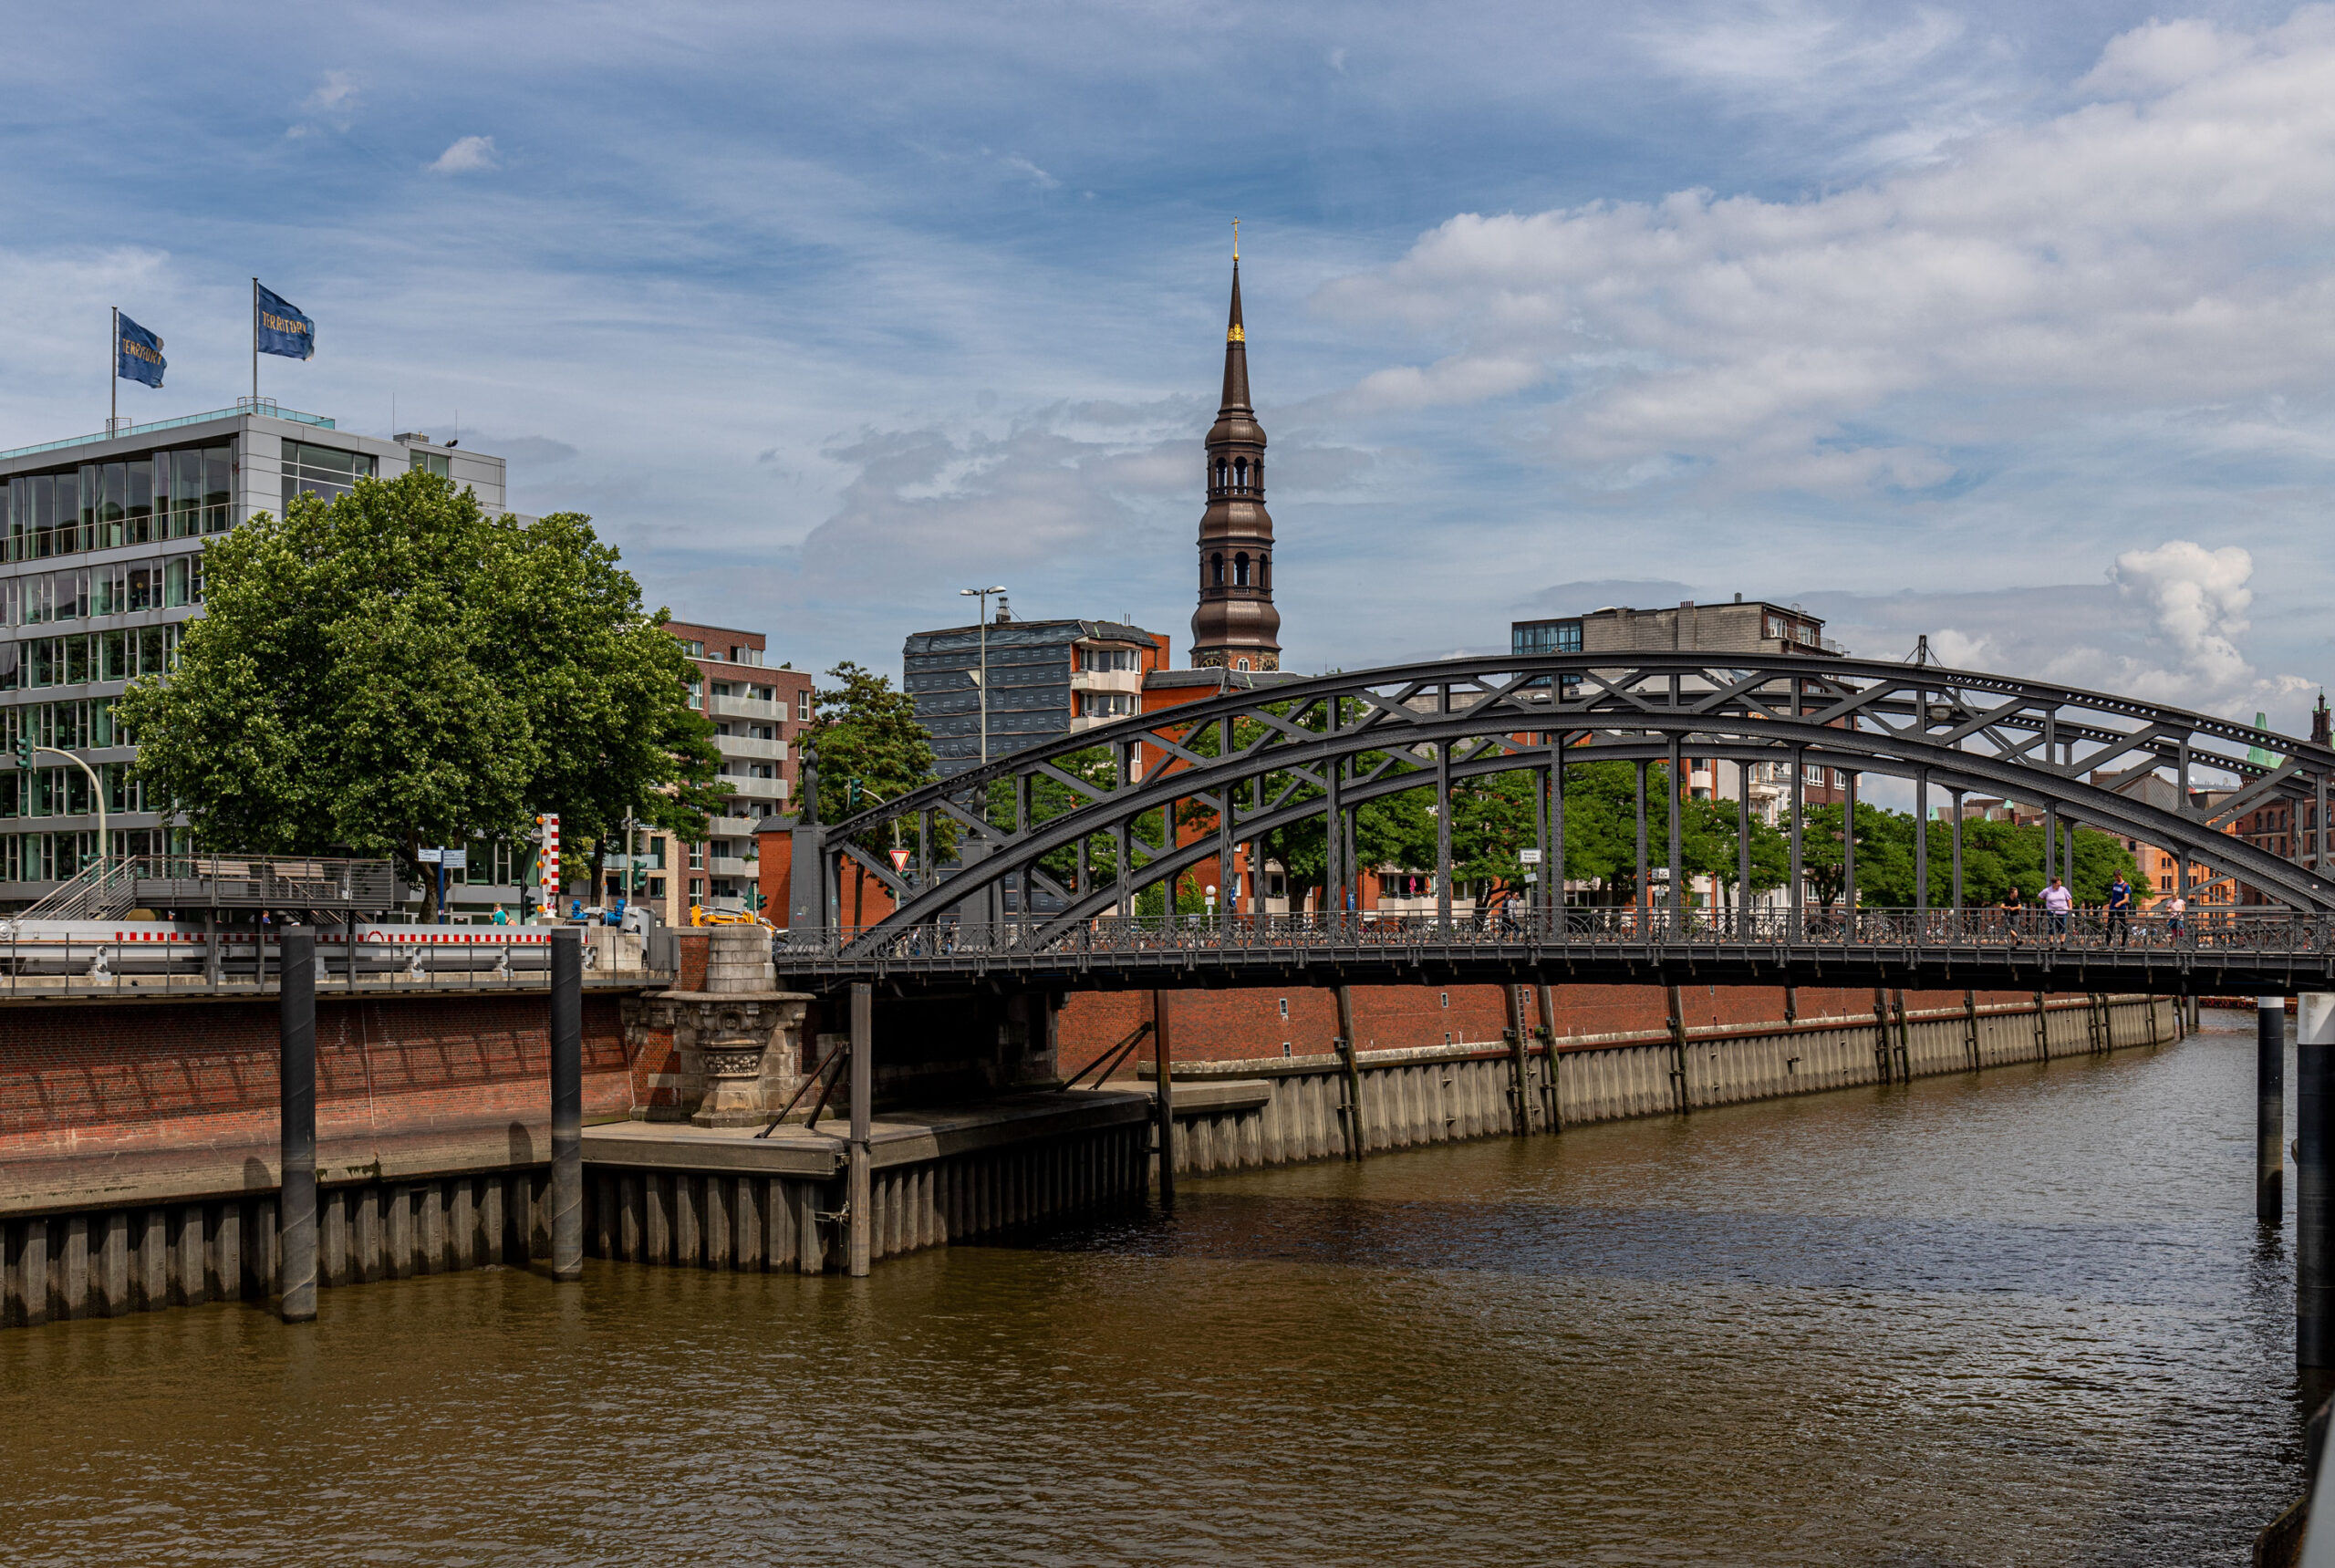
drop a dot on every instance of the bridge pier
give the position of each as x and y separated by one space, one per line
2314 1214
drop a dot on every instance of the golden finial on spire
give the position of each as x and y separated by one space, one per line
1236 239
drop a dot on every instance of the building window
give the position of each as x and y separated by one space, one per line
1240 569
697 889
1544 637
694 650
325 472
1216 569
741 654
803 706
1239 664
437 462
697 694
697 857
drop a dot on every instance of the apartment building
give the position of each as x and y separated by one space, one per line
759 713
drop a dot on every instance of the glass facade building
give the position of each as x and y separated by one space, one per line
101 565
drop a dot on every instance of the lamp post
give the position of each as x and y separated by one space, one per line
982 680
26 751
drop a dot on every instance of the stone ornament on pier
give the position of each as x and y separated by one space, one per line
738 1043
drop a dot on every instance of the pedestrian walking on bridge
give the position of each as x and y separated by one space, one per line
2057 904
2120 910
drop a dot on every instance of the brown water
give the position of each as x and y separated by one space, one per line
2023 1318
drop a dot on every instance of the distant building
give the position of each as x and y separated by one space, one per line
1045 678
758 714
2289 828
1236 626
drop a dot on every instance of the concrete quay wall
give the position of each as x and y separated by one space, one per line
105 1262
1241 1114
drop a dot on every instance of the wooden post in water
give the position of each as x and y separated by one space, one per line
1549 1040
1347 1046
2270 1107
1519 1091
1163 1055
1684 1095
860 1197
2314 1212
567 1105
296 1133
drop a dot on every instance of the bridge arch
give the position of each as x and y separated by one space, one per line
1260 760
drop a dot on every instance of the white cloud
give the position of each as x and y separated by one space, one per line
332 106
2157 252
469 155
2197 600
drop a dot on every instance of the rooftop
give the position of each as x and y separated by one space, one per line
264 407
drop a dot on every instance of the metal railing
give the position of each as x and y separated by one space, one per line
142 964
109 887
2260 931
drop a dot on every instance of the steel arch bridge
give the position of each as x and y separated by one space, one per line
1048 850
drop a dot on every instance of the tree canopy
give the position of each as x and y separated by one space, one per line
401 669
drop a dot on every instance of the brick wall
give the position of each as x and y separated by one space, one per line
1237 1025
121 1103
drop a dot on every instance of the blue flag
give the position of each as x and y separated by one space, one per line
282 328
138 355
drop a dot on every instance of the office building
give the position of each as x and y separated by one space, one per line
103 565
1045 678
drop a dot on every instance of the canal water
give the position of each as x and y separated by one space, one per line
2023 1318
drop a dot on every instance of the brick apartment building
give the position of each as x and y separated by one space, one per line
759 715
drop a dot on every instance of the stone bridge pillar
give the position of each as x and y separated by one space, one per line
738 1043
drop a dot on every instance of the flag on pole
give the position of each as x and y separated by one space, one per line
280 327
138 353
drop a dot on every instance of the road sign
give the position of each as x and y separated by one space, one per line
1529 856
455 859
428 857
900 861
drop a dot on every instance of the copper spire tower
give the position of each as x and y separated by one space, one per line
1236 626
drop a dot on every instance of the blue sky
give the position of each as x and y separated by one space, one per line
2012 325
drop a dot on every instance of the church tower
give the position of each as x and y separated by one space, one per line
1236 626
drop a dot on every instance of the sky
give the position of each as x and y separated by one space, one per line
2011 326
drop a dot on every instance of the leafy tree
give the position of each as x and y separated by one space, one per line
870 750
399 668
1996 855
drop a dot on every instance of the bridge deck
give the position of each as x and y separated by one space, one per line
2258 955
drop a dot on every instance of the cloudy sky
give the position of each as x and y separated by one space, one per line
2011 325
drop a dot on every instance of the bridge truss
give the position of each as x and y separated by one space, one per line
1048 851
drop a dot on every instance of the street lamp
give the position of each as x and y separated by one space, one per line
980 680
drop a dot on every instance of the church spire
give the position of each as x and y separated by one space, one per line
1236 626
1236 349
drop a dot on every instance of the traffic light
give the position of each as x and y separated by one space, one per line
851 793
25 751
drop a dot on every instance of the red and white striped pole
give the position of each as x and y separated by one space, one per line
548 864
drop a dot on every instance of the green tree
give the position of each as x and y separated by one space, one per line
400 669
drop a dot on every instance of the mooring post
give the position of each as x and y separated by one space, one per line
296 1098
2270 1107
567 1103
1347 1046
1683 1094
1162 1055
859 1200
2314 1213
1517 1050
1549 1041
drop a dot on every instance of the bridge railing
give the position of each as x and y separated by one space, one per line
2267 929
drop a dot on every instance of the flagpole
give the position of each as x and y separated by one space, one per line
254 345
113 382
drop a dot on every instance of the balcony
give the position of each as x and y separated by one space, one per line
752 789
1106 680
731 826
747 747
744 708
733 866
